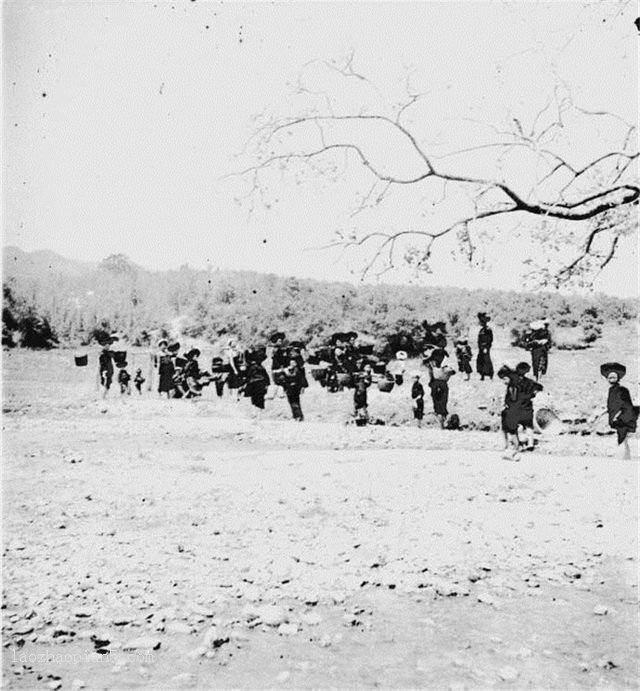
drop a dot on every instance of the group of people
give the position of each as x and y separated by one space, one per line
344 364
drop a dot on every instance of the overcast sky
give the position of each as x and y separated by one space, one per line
121 118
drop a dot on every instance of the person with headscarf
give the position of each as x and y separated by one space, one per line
623 415
538 342
527 390
484 366
166 369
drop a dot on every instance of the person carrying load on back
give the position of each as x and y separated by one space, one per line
279 360
464 357
105 364
538 342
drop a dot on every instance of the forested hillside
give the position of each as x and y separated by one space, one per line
62 301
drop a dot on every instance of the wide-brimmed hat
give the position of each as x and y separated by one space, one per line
277 336
523 367
194 352
122 364
537 324
483 317
439 326
297 344
163 341
174 347
351 334
461 341
608 367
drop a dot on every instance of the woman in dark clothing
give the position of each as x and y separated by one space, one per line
439 385
292 384
511 414
464 355
623 415
105 366
484 366
417 397
538 341
166 370
258 381
527 390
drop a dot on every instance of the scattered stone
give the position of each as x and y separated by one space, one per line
288 629
311 618
143 643
183 681
271 615
325 641
508 673
82 612
77 684
600 610
200 610
197 652
178 627
214 638
486 599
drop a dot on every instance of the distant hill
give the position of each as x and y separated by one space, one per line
16 261
43 289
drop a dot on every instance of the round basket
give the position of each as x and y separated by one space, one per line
81 360
319 374
548 421
386 385
119 356
344 378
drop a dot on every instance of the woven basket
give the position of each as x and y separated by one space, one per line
81 360
386 385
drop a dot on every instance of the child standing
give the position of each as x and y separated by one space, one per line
623 415
139 380
123 379
417 396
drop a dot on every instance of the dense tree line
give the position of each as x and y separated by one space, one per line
213 305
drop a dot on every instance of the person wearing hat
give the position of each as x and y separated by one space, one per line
417 398
623 415
538 341
527 390
105 365
484 366
464 357
166 369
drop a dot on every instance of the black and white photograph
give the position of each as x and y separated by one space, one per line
320 345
